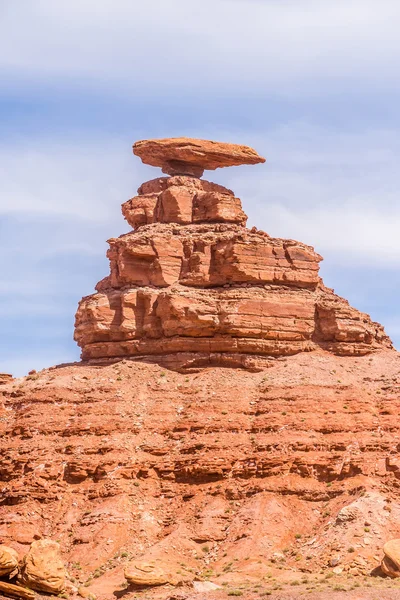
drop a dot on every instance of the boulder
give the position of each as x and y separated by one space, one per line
142 573
391 562
16 591
8 561
42 568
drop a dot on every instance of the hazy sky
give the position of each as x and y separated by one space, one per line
313 85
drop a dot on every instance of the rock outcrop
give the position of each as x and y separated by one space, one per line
288 468
191 286
16 591
145 574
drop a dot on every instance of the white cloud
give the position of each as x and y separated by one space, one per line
240 46
84 179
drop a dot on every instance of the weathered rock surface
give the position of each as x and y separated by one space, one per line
42 567
253 320
16 591
183 156
5 378
191 286
291 465
8 560
391 561
183 200
146 574
214 465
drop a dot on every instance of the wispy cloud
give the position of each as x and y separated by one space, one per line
288 47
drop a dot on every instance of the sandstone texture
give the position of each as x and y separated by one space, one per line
191 286
142 573
391 561
8 560
42 568
188 156
154 467
16 591
245 474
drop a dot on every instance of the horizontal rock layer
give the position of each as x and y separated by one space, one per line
251 320
208 256
188 155
130 459
183 200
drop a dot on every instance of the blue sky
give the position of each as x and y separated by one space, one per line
313 85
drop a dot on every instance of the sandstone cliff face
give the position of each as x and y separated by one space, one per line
192 286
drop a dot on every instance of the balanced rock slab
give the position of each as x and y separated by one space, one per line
189 156
16 591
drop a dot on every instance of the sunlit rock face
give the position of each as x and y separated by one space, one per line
192 285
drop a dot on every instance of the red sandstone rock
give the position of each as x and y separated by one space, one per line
183 156
5 378
183 200
192 285
42 568
254 295
289 453
8 561
130 462
391 562
16 591
249 320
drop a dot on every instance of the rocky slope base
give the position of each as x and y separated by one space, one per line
220 474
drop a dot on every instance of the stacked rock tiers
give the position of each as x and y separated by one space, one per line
192 286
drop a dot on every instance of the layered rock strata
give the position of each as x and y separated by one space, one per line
192 286
188 156
129 464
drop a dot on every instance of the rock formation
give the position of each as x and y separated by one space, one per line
191 286
187 156
16 591
222 474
